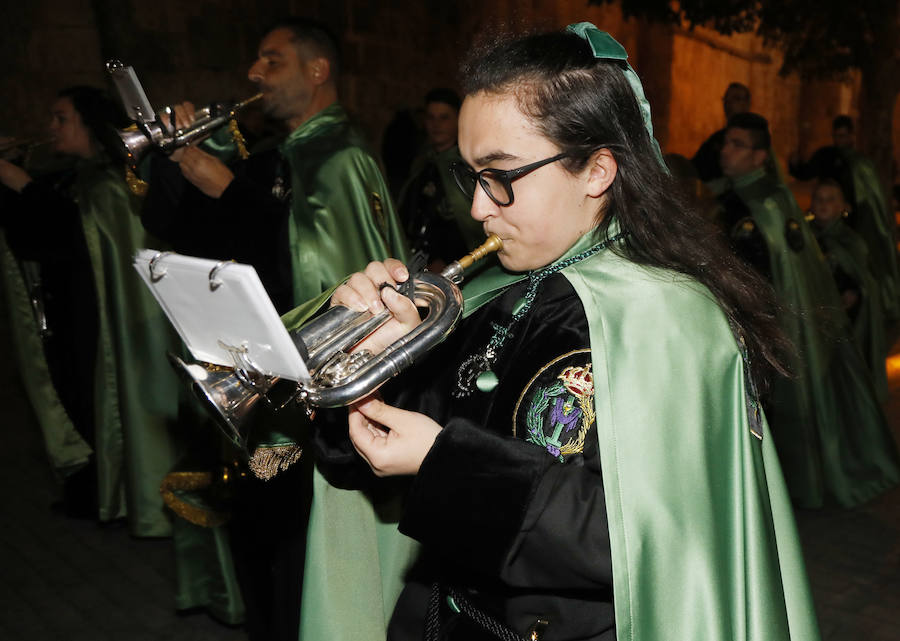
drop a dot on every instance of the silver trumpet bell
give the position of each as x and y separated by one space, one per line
339 375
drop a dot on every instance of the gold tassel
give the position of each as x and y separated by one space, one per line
266 462
137 186
238 138
195 514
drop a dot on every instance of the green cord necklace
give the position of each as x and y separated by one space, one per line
476 371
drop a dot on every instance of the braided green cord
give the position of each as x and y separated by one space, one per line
534 279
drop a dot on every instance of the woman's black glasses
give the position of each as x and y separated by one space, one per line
497 183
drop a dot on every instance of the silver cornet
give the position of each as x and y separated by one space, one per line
339 375
141 137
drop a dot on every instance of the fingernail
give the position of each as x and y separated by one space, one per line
403 273
376 306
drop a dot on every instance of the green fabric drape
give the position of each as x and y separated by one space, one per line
205 575
702 533
66 449
137 393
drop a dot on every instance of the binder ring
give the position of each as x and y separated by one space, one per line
214 282
244 368
157 275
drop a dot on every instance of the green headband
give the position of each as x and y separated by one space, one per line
606 47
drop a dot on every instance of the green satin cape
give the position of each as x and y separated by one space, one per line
342 216
137 392
702 532
66 449
832 436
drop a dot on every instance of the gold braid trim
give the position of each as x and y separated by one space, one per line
189 512
239 141
266 462
137 186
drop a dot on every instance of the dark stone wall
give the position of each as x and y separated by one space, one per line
201 51
394 52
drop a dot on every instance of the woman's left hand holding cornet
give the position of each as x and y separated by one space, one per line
391 440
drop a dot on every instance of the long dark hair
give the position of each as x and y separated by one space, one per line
100 114
583 104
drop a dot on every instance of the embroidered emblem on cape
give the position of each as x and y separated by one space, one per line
560 405
281 189
380 217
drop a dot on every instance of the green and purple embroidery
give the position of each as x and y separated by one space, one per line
570 401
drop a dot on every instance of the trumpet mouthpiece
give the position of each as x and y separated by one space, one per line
492 244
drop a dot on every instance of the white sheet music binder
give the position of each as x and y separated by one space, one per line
221 311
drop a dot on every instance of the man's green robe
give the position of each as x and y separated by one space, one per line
341 219
846 251
831 434
701 529
341 216
137 392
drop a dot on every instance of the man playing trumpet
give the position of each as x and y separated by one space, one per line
305 213
306 194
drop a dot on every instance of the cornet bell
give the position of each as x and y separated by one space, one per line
134 146
230 400
340 374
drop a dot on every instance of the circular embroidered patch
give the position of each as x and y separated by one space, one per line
556 408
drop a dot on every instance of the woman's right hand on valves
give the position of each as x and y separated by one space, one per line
373 290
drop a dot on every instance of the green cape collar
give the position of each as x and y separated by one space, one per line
330 116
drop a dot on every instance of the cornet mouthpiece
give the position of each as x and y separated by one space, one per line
492 244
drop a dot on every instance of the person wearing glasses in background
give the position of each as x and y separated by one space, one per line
585 457
832 436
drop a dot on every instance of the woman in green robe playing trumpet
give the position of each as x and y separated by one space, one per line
585 457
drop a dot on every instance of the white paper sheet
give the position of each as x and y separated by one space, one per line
232 308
